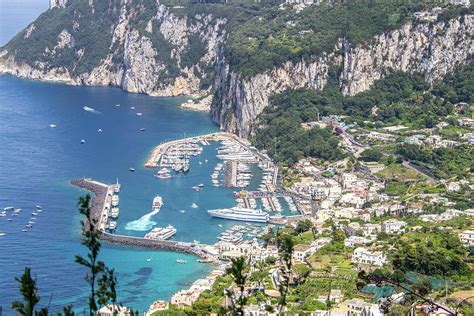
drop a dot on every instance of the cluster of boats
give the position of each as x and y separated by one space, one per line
177 157
268 202
244 175
161 233
216 173
267 181
240 214
238 233
114 211
291 204
232 150
241 203
16 211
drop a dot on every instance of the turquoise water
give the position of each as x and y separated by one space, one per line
37 163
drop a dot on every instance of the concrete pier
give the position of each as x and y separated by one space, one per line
101 194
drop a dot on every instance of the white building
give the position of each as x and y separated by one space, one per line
359 307
393 226
354 241
467 237
113 310
301 252
348 180
371 229
365 256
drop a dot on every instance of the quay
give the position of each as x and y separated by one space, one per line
100 206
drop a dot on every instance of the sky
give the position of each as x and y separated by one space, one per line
17 14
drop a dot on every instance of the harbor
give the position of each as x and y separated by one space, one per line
101 204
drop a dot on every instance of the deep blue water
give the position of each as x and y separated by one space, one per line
37 163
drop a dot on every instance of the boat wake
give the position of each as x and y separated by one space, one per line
142 224
91 110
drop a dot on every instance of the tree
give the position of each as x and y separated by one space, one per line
237 271
303 226
28 292
285 249
99 275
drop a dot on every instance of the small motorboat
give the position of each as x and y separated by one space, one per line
39 207
9 219
148 260
132 108
52 125
83 141
99 130
117 105
132 169
182 211
2 234
139 113
29 226
142 129
34 214
194 205
24 230
181 261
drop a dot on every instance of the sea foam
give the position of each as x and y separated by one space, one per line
142 224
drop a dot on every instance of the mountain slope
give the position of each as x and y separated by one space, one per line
242 53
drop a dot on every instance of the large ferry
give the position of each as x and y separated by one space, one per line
157 203
160 233
240 214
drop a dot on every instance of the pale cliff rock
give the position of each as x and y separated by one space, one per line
431 49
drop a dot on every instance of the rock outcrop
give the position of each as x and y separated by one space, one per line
161 53
433 49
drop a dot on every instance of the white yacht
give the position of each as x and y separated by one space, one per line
161 233
112 225
240 214
194 205
114 213
115 200
181 261
88 109
157 203
117 187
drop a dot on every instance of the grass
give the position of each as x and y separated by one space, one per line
461 295
398 172
304 238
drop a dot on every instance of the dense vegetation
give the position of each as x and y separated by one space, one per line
439 253
93 35
278 35
443 162
399 98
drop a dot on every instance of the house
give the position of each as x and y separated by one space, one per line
354 241
113 310
321 242
300 252
371 229
467 237
336 296
364 256
359 307
393 226
348 180
157 306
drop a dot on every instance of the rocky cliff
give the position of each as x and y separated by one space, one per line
146 47
433 49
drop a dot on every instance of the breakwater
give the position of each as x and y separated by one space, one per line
99 206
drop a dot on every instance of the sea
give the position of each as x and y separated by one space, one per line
37 163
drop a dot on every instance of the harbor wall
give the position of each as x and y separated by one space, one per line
99 191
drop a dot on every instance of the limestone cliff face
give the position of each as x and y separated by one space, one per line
160 53
427 48
135 62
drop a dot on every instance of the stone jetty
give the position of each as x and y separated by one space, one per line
101 192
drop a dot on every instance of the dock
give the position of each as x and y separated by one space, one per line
99 212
